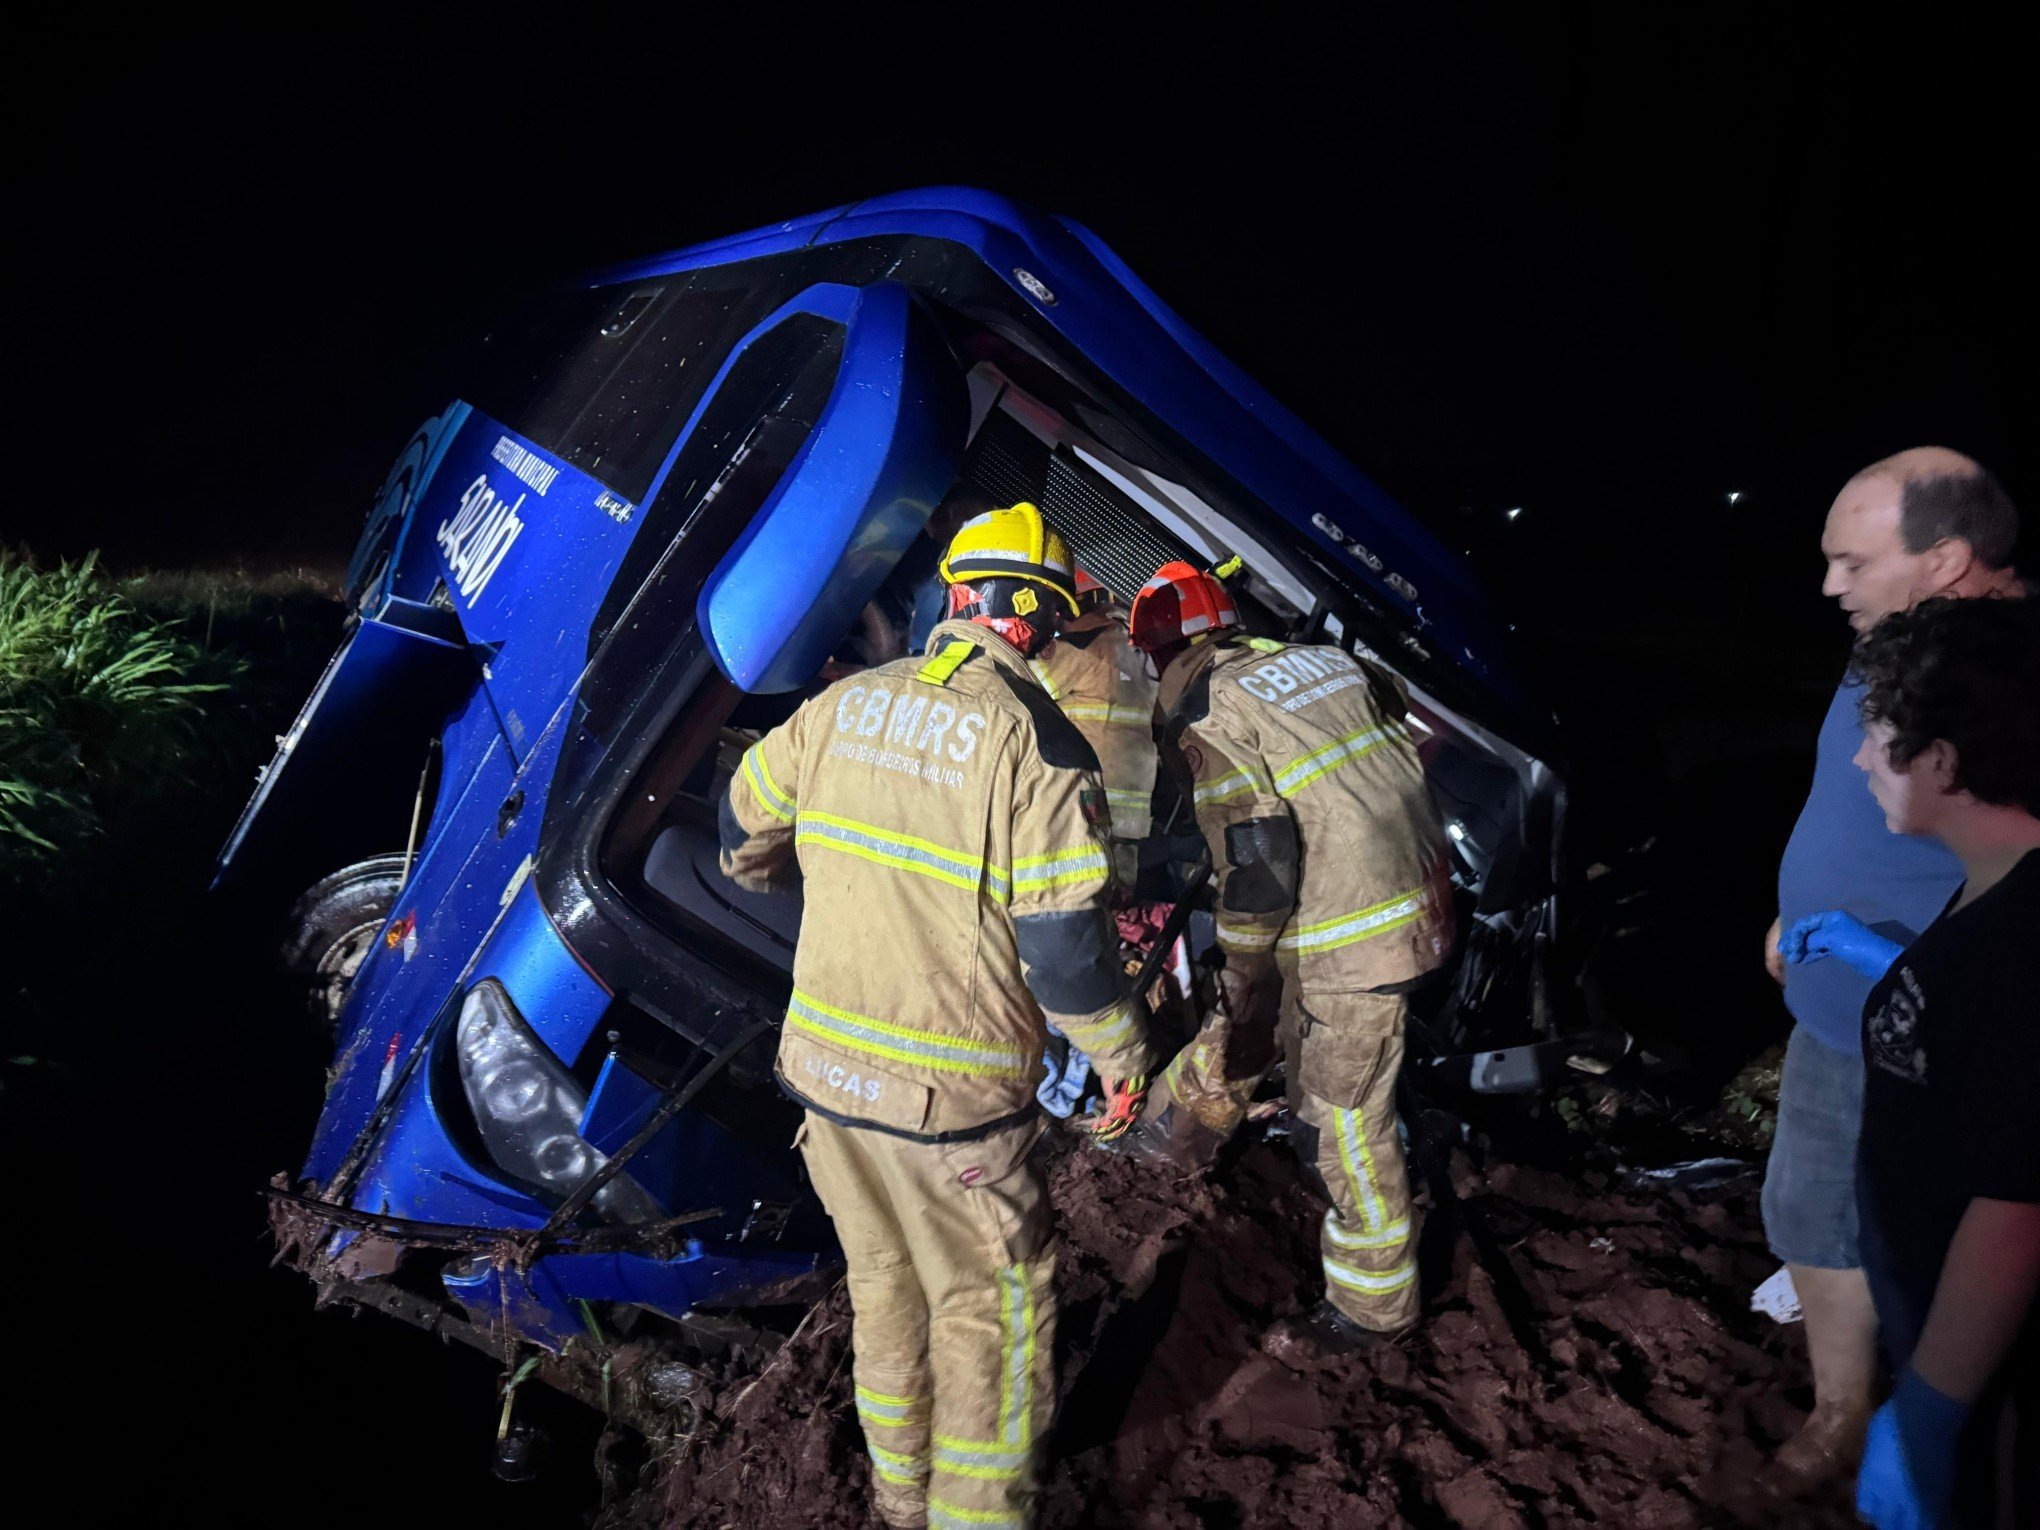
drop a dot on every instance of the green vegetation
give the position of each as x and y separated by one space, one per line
122 694
1739 1120
96 698
134 715
1749 1105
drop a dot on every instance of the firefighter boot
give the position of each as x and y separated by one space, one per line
1323 1332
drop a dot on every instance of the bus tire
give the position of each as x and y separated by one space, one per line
334 926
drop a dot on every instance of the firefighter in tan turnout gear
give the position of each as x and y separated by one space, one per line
1334 896
1092 673
948 826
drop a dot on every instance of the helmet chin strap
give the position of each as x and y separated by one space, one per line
1024 635
1027 634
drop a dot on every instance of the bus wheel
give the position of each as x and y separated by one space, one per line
334 926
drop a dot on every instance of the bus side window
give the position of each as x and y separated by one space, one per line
606 379
747 438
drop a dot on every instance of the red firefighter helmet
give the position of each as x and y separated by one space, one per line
1179 603
1091 595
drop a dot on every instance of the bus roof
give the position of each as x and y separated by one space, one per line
1086 293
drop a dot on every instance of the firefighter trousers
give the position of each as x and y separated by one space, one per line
1344 1053
951 1275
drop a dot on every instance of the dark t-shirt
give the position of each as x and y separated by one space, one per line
1951 1097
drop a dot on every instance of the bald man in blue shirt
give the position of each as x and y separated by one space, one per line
1926 522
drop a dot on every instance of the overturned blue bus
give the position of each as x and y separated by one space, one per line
661 512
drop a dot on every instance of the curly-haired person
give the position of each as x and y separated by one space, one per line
1948 1165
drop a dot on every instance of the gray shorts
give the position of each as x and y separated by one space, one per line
1810 1186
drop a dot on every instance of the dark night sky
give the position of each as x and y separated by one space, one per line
1604 269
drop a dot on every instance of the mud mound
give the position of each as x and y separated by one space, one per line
1619 1379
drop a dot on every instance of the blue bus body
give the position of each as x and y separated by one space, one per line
669 495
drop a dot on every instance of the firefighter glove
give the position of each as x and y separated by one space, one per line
1124 1101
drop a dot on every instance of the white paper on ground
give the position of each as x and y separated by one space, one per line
1776 1298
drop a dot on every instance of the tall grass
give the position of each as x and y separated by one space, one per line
101 703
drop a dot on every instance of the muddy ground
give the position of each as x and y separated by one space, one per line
1632 1388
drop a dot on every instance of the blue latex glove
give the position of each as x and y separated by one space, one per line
1835 933
1908 1473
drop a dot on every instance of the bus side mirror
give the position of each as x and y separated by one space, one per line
882 454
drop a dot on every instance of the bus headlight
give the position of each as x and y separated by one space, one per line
528 1107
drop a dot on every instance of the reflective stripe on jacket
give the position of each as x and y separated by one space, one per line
946 822
1273 741
1101 683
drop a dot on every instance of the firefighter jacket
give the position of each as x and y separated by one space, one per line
1101 683
947 823
1323 834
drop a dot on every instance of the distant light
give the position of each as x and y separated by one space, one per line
1734 495
1512 514
1455 831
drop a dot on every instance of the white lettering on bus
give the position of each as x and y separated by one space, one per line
533 471
479 536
